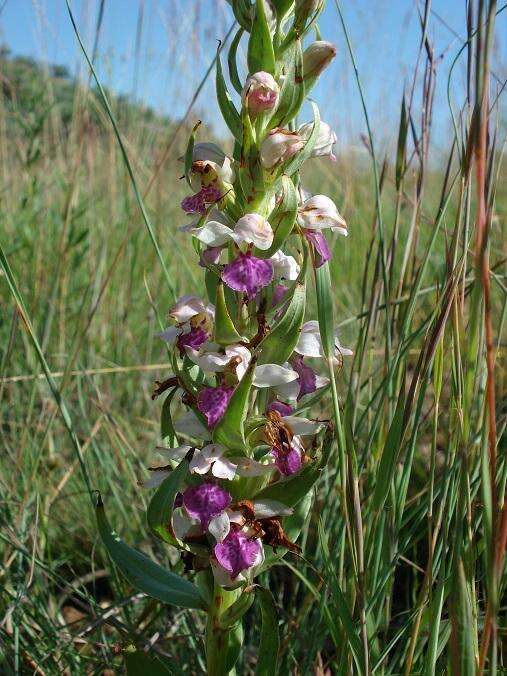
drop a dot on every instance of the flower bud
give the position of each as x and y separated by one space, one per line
316 58
260 93
306 11
319 212
279 146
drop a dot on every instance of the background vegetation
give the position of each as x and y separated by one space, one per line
408 551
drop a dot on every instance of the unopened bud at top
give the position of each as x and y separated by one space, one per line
316 58
260 92
306 11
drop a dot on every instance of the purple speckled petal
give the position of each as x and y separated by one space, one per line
210 256
281 407
196 204
237 552
307 377
210 194
213 401
287 462
194 338
322 251
248 274
206 501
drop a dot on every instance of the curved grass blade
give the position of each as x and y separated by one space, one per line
270 639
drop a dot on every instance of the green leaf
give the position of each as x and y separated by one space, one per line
296 162
227 107
325 309
270 639
166 422
282 218
291 490
229 430
235 612
261 55
161 505
143 573
139 663
225 331
280 342
292 92
282 7
232 62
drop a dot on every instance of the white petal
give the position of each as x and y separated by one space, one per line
253 228
170 334
343 351
213 451
208 361
250 467
220 526
200 464
243 353
310 343
223 469
321 381
223 578
187 307
190 425
303 426
288 391
264 509
212 233
271 375
236 517
182 523
285 266
208 152
177 453
156 478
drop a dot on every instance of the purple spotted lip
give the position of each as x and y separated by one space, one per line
248 274
206 501
213 401
322 251
237 552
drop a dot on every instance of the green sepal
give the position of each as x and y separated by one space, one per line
143 573
261 55
227 107
225 332
282 218
292 92
230 429
161 505
235 612
242 12
280 342
282 7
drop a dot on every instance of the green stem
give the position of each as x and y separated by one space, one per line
217 639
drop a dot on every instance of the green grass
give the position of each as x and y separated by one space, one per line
397 558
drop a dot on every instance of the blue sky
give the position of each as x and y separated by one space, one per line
178 38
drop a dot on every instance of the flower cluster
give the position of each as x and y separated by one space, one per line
246 359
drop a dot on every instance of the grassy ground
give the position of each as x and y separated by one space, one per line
419 565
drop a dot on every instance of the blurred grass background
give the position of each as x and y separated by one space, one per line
73 235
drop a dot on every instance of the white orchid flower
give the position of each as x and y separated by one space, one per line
250 229
273 375
214 362
211 155
284 266
326 138
279 146
310 342
303 427
210 458
320 212
188 306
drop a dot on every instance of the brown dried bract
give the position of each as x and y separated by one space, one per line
275 536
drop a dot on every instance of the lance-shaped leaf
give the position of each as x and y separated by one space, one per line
293 489
225 331
279 344
161 505
166 422
230 429
232 62
242 13
282 7
261 55
295 163
270 639
235 612
282 218
143 573
227 107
